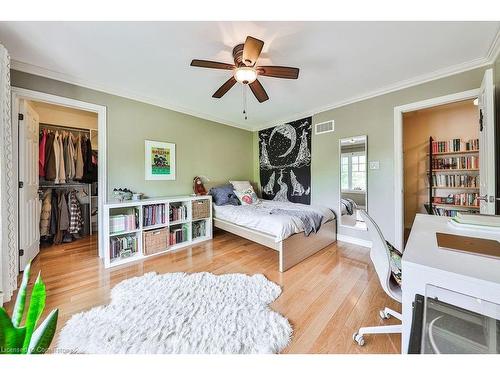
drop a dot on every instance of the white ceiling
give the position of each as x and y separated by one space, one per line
339 61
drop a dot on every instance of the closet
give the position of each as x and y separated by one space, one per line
66 164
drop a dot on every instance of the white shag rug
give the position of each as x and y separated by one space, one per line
182 313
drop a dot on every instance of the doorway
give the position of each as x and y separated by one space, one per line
62 186
486 124
441 161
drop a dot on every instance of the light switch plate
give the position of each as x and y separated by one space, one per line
375 165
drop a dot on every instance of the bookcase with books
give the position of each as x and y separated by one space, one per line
167 221
453 177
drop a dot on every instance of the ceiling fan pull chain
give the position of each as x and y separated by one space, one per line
244 94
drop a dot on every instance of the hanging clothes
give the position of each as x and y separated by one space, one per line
45 213
63 217
41 153
70 171
50 158
61 175
53 213
78 159
75 214
87 161
57 157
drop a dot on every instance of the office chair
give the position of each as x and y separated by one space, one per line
379 255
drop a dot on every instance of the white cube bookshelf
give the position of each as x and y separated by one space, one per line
138 208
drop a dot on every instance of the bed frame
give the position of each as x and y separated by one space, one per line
292 250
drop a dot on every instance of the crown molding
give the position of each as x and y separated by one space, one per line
494 50
46 73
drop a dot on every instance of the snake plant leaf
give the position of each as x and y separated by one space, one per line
11 337
18 312
43 335
37 304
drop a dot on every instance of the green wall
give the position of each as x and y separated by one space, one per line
374 118
203 147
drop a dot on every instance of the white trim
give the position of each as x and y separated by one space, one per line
398 152
354 240
492 53
20 93
159 102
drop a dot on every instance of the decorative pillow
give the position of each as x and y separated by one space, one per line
241 185
395 261
247 196
224 195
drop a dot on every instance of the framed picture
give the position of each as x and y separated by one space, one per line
159 160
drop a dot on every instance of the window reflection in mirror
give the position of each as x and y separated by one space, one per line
353 181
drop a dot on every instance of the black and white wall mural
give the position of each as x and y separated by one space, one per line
285 162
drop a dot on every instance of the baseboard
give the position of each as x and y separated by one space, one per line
354 240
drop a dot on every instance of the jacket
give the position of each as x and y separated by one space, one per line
45 213
41 153
78 159
50 158
61 171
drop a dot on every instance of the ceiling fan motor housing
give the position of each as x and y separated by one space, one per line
238 55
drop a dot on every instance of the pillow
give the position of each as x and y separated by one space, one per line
247 197
241 185
224 195
395 261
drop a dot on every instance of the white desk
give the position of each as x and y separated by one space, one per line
424 263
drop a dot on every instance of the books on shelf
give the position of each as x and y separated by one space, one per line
439 211
455 145
122 247
153 214
123 223
178 213
199 229
460 199
455 180
178 235
456 162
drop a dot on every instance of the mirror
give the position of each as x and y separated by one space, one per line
353 181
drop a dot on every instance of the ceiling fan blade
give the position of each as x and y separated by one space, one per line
252 50
224 88
279 72
212 64
258 91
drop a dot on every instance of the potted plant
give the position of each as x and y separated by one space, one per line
27 339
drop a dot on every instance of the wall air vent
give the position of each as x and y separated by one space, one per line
325 127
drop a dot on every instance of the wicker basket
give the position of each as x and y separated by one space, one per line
155 241
201 209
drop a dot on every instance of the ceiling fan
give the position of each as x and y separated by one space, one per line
245 71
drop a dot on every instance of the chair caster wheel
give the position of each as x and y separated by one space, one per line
384 315
359 339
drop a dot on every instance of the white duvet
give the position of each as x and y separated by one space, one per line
257 217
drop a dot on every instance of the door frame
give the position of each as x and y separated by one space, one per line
398 151
19 93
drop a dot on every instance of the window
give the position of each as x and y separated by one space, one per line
353 171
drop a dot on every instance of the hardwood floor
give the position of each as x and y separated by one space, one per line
326 298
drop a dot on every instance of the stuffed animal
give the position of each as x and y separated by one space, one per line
198 187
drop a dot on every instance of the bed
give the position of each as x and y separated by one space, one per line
280 232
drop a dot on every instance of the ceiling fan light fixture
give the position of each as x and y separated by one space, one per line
245 75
